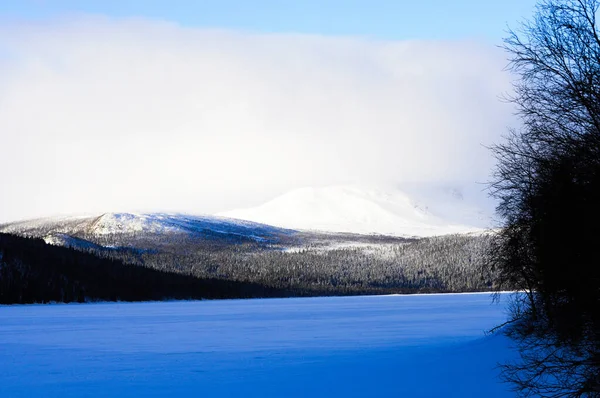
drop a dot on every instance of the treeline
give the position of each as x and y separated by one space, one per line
441 264
187 268
32 271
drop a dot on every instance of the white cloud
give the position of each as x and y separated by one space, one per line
99 114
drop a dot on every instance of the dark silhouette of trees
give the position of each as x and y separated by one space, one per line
548 185
32 271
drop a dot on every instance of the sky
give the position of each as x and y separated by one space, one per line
201 107
385 19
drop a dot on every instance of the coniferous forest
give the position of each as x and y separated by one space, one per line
33 271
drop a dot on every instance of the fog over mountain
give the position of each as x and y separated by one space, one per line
100 114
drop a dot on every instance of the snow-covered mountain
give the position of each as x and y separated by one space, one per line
67 231
408 212
411 211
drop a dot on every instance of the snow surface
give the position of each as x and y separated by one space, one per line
368 210
392 346
60 239
114 223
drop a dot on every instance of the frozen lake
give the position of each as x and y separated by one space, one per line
376 346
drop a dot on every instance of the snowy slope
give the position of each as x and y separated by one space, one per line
365 210
61 230
386 346
162 223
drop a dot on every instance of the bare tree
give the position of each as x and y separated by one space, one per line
548 185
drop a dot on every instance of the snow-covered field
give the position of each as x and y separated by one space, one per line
377 346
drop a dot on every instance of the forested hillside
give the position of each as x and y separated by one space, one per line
152 257
32 271
440 264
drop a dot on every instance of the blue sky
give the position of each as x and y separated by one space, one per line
383 19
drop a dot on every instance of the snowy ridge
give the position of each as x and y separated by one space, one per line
333 211
111 223
367 210
60 239
60 231
38 226
163 223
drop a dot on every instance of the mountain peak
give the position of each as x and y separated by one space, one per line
369 210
